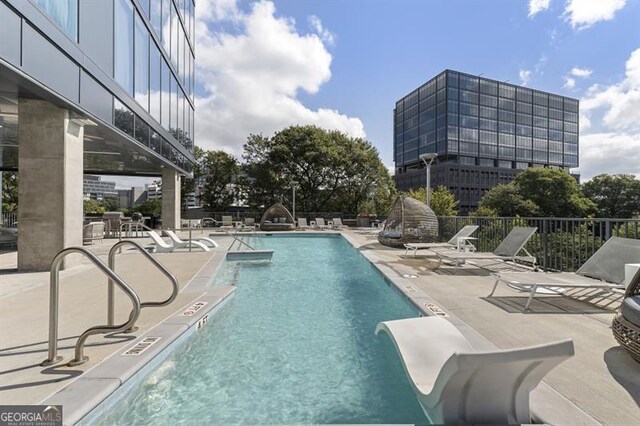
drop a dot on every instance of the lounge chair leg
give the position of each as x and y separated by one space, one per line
406 250
495 285
533 293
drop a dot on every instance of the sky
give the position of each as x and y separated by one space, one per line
342 64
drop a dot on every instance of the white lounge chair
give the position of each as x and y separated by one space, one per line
227 222
457 385
337 224
249 224
458 242
302 223
509 249
161 245
320 223
201 242
603 270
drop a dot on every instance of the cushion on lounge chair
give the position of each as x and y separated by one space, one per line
630 309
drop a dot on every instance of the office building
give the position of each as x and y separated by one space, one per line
99 87
484 132
94 188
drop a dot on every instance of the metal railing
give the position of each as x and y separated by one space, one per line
54 292
560 244
111 288
224 231
9 219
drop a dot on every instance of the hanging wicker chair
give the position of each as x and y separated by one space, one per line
626 323
409 221
277 218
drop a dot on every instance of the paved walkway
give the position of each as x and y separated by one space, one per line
601 379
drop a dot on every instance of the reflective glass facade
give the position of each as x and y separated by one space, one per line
481 125
473 120
127 63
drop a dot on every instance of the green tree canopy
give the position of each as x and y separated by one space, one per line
218 171
443 203
9 191
614 195
93 206
538 192
149 208
555 192
331 171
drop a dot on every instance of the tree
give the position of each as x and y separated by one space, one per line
555 192
331 171
443 203
614 195
9 192
218 171
111 204
506 200
93 206
149 208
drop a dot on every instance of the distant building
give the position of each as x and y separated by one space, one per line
94 188
154 191
484 132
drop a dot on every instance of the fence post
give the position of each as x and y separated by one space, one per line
545 236
607 230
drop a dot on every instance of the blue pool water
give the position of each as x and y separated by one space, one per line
295 344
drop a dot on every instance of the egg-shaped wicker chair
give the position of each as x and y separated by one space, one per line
626 323
409 221
277 218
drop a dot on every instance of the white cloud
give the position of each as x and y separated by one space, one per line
610 125
525 76
253 73
609 153
584 13
581 72
619 102
536 6
326 35
569 82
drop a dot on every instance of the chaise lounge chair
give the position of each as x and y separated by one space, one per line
508 249
457 242
201 242
302 223
457 385
604 270
320 224
161 245
626 324
337 224
227 223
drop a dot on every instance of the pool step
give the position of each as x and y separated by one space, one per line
250 255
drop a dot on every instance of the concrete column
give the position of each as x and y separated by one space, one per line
50 166
170 199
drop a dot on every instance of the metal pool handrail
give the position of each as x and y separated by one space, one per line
154 261
224 231
99 329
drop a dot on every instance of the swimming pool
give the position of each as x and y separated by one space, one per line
295 344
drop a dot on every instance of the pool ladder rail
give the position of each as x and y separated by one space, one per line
113 279
251 254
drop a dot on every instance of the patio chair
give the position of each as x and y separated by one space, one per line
250 223
320 223
456 384
302 223
93 231
457 242
227 222
603 270
115 221
626 323
201 242
508 249
160 245
337 223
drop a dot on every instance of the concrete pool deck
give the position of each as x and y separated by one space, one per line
600 382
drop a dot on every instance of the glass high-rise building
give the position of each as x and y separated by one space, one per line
92 87
125 65
484 132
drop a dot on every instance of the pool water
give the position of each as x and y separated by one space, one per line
295 344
